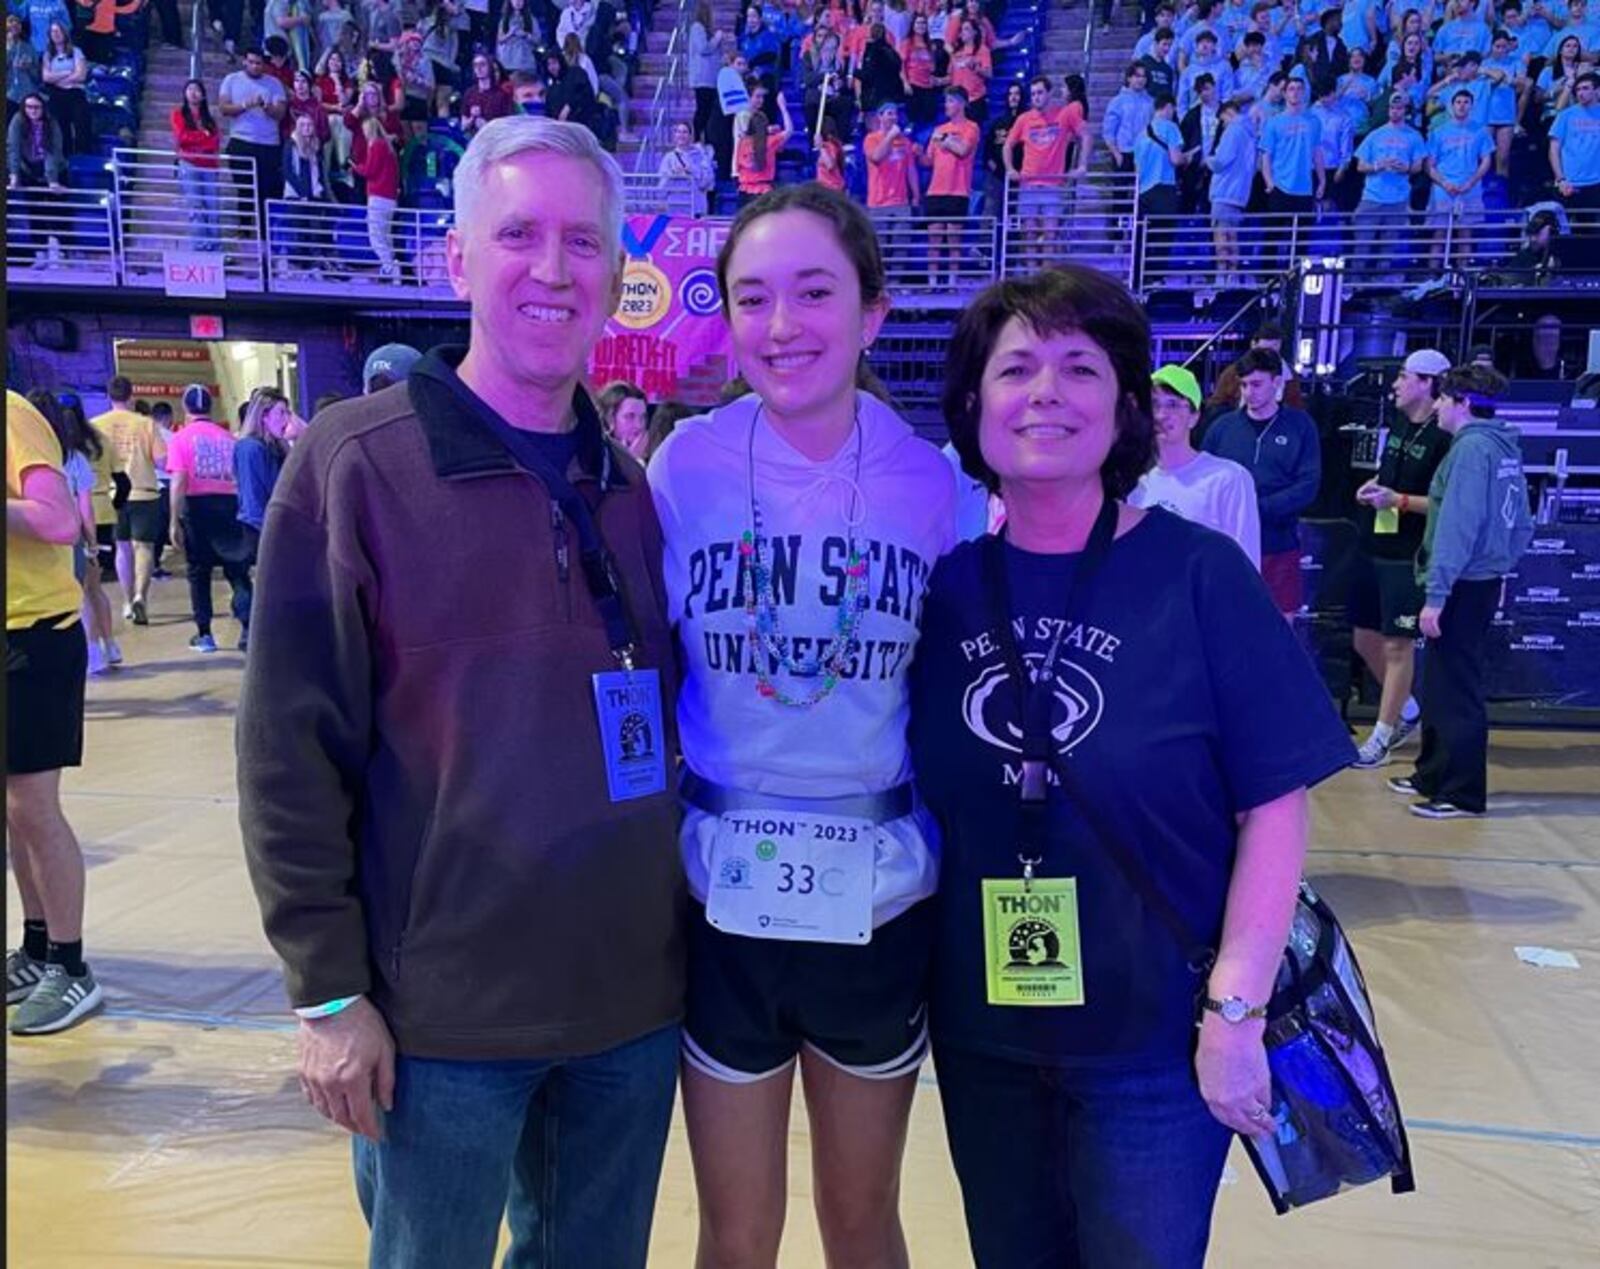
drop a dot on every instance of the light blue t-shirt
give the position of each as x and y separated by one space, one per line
1532 36
1503 96
1457 148
1251 81
1338 136
1150 158
1577 128
1219 70
1233 164
1290 141
1482 90
1587 31
1128 114
1387 144
1460 34
1353 30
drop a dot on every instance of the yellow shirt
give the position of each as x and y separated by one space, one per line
133 444
39 579
104 512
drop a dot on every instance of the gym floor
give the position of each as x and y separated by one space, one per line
169 1130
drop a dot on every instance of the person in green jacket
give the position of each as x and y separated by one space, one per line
1478 526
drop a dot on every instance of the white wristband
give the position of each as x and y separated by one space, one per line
327 1010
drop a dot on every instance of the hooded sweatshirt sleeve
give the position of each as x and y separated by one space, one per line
1459 516
304 731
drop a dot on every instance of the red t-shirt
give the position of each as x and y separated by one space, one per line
196 145
380 168
953 175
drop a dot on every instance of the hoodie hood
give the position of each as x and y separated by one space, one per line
1507 440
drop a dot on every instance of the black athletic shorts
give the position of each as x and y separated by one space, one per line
944 207
45 668
1385 596
754 1002
139 521
106 536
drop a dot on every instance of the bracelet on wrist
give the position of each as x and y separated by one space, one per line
326 1010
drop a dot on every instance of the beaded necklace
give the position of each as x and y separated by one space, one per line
761 609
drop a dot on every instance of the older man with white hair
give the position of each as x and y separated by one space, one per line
452 756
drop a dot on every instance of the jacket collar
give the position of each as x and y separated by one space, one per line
460 426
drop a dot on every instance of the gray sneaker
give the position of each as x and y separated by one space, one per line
22 975
1404 731
1374 753
57 1002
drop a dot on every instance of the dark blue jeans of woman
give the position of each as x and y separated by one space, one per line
1081 1168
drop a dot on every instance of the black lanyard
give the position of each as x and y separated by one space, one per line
568 505
1036 697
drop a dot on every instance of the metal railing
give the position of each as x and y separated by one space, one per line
666 101
352 251
1396 249
938 260
1087 218
646 193
167 219
61 237
166 205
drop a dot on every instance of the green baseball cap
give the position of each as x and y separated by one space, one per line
1177 379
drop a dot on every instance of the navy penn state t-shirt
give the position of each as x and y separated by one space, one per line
1182 699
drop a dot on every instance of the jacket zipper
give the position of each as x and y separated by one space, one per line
558 526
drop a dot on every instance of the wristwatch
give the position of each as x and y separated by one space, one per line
1233 1009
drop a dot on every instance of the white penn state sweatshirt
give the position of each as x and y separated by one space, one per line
853 741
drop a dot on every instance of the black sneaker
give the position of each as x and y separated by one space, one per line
244 641
1405 786
139 617
1433 809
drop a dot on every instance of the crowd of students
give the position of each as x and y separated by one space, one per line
876 844
1228 105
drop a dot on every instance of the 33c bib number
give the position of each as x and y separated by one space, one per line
791 875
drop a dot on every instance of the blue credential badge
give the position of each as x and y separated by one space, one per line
629 705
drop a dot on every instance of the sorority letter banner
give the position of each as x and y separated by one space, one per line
667 336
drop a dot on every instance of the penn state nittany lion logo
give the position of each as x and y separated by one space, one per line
637 742
989 705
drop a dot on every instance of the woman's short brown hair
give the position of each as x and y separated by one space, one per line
1068 297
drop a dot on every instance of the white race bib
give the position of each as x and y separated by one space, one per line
793 875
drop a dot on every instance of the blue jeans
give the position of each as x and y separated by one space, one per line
569 1151
1081 1168
199 186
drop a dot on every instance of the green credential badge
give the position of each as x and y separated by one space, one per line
1030 940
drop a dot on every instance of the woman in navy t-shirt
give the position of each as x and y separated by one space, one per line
1087 1123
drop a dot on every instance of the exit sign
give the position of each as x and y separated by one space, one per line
205 326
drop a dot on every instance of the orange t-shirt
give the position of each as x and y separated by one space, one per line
918 60
753 179
952 175
1044 135
964 68
888 178
832 177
